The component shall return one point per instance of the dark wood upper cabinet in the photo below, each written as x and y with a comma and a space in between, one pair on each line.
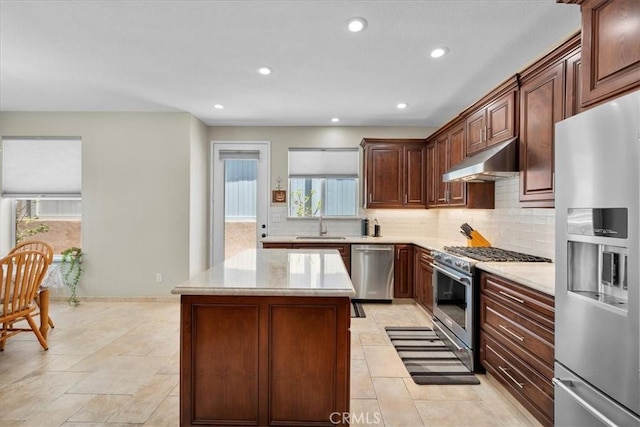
457, 190
395, 173
442, 164
541, 103
610, 49
492, 123
573, 94
444, 150
432, 182
544, 102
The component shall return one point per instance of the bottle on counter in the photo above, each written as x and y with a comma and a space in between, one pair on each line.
364, 226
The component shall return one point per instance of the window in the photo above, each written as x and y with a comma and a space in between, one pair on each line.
42, 178
57, 222
323, 182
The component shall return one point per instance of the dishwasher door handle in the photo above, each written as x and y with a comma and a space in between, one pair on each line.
373, 249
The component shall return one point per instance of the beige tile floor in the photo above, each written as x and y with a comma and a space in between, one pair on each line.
116, 364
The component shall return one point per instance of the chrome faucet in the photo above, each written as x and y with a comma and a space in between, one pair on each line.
323, 230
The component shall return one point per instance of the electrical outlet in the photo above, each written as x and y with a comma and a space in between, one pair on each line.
158, 277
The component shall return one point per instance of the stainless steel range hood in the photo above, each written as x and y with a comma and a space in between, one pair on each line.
499, 161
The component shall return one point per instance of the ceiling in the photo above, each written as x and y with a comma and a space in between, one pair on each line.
151, 55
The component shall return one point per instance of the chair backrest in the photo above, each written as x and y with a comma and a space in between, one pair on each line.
20, 276
34, 245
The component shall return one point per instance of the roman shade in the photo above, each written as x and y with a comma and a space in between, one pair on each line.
41, 167
323, 162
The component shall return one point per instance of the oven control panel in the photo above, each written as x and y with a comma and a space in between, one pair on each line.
452, 261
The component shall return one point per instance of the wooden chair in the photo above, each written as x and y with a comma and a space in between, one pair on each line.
36, 245
20, 276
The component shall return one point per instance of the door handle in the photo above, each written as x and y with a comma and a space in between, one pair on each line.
446, 273
264, 234
586, 405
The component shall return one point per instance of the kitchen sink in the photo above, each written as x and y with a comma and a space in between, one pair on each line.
320, 237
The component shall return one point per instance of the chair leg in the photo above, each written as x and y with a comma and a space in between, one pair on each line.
50, 320
36, 331
3, 335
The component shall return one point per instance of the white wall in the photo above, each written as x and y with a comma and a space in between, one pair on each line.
199, 198
284, 137
136, 195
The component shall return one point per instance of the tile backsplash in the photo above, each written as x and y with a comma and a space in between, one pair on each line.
529, 230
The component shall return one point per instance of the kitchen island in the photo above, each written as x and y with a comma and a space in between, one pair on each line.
265, 340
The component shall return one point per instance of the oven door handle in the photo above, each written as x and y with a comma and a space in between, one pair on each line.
447, 273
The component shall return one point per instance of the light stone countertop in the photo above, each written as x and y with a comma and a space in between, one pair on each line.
274, 272
536, 275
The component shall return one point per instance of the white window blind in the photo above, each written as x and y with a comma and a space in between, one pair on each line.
41, 167
342, 162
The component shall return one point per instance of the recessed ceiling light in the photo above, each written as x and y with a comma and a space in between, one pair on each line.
218, 106
438, 52
265, 71
355, 25
335, 120
402, 105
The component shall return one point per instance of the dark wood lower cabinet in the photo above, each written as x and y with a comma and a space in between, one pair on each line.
517, 342
403, 272
266, 361
423, 281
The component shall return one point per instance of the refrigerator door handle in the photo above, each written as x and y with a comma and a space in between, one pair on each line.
593, 411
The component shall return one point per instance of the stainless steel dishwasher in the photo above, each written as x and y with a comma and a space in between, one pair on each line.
372, 272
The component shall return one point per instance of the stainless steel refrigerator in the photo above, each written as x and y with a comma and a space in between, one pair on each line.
597, 292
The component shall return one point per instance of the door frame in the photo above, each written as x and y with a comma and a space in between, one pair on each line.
217, 191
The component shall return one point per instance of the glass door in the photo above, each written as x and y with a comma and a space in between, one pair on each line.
240, 197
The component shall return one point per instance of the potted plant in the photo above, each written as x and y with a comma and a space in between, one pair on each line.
71, 268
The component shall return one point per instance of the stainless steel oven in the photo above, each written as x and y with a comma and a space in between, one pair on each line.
453, 304
455, 297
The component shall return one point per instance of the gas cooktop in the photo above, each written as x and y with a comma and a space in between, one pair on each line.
493, 254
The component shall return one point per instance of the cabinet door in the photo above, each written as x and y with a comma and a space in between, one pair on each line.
456, 155
384, 176
415, 176
541, 106
403, 272
475, 127
428, 287
573, 94
442, 164
432, 169
500, 119
610, 49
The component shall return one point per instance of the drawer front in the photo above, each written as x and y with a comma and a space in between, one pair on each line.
424, 256
517, 329
267, 245
529, 387
536, 305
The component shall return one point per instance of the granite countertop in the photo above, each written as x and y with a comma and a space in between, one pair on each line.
274, 272
536, 275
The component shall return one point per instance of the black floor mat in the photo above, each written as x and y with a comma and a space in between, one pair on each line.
427, 358
357, 310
